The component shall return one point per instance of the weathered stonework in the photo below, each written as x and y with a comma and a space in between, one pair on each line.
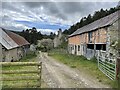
100, 38
113, 40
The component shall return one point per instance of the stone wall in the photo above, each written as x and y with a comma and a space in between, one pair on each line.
112, 40
9, 55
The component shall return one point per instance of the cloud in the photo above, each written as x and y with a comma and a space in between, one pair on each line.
66, 10
46, 31
11, 25
47, 16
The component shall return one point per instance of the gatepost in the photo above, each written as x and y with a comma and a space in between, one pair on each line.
118, 72
118, 47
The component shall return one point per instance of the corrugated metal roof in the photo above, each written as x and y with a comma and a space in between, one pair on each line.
17, 38
6, 41
11, 40
105, 21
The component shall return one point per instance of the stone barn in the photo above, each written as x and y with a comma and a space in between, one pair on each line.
99, 38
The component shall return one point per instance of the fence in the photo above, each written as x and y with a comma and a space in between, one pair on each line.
21, 74
108, 66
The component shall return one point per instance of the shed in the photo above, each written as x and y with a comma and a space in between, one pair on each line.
13, 46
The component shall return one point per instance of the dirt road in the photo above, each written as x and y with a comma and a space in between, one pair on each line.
59, 75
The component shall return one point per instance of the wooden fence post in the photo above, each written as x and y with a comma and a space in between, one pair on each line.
118, 68
40, 71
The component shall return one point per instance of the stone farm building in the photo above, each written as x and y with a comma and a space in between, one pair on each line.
99, 38
14, 47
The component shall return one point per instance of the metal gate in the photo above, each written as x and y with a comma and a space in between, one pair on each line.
107, 65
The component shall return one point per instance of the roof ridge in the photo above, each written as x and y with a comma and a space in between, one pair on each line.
101, 19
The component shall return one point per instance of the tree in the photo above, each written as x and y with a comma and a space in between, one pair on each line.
46, 44
66, 32
87, 20
52, 35
31, 35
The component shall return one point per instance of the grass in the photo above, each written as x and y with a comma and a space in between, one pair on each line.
29, 57
81, 63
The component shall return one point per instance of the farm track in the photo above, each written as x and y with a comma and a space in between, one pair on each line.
58, 75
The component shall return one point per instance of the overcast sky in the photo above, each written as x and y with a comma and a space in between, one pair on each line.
47, 16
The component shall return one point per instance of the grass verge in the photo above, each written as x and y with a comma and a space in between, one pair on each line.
81, 63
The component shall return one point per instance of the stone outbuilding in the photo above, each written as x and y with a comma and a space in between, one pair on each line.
13, 46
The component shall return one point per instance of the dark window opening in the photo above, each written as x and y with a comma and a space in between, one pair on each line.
101, 47
90, 37
98, 46
78, 47
90, 46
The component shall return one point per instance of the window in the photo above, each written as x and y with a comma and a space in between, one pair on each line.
98, 46
90, 46
101, 47
90, 37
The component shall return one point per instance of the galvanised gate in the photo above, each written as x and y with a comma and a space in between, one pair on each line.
108, 67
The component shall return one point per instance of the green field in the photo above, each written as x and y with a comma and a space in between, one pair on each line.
81, 63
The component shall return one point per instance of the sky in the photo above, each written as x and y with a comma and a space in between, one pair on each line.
47, 16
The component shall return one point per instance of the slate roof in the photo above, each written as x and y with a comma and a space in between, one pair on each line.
105, 21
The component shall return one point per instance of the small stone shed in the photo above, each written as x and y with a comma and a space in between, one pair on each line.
13, 46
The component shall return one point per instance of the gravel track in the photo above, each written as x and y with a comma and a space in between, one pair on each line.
58, 75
